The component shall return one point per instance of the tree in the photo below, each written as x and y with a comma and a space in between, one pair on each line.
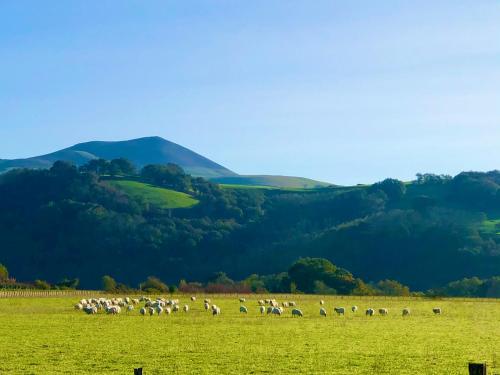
394, 189
41, 284
392, 288
4, 273
154, 285
108, 283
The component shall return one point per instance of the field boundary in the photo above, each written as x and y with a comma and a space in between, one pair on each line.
26, 293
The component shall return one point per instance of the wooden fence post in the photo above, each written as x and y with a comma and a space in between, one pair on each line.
477, 368
138, 371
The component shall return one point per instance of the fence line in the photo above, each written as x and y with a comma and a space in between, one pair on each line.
24, 293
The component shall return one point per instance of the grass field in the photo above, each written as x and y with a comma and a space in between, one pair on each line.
160, 197
47, 336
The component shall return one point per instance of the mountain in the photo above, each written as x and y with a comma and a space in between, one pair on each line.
141, 151
156, 150
274, 181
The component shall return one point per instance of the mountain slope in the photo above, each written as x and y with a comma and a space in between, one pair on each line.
141, 151
275, 181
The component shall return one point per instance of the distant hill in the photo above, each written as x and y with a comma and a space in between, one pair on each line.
156, 150
141, 151
267, 180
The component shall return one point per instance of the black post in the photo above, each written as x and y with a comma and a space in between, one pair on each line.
477, 368
138, 371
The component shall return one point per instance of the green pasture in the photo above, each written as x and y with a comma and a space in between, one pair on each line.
47, 336
164, 198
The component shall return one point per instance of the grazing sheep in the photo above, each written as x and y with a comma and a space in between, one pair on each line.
142, 311
193, 298
175, 308
206, 305
261, 302
277, 311
151, 311
370, 312
339, 310
274, 303
159, 309
284, 304
292, 303
321, 302
269, 309
216, 311
185, 308
354, 309
243, 309
168, 310
78, 306
383, 311
130, 308
207, 300
135, 301
262, 309
322, 311
437, 310
242, 300
406, 311
297, 312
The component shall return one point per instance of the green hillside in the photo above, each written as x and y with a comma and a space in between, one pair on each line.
274, 181
164, 198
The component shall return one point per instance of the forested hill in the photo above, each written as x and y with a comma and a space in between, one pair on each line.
107, 218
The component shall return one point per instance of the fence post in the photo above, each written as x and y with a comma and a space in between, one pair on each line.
138, 371
477, 368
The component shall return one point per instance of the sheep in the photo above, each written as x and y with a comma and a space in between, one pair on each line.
216, 311
127, 300
135, 301
354, 309
274, 303
78, 306
292, 303
207, 306
437, 310
406, 311
322, 311
193, 298
242, 299
383, 311
370, 312
175, 308
130, 308
339, 310
159, 309
207, 300
168, 310
243, 309
185, 308
261, 302
297, 312
262, 309
284, 304
151, 311
269, 309
277, 311
142, 311
321, 302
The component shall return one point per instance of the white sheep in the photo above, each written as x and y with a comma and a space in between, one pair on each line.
243, 309
206, 305
321, 302
262, 309
151, 311
297, 312
142, 311
168, 310
354, 309
242, 299
78, 306
406, 311
322, 311
193, 298
159, 309
292, 303
277, 310
261, 302
185, 308
436, 310
216, 311
270, 309
130, 308
175, 308
370, 312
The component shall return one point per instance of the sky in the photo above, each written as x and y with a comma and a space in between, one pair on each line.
340, 91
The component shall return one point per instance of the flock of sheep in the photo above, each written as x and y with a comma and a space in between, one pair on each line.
160, 306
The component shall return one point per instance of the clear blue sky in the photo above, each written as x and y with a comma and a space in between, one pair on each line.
342, 91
